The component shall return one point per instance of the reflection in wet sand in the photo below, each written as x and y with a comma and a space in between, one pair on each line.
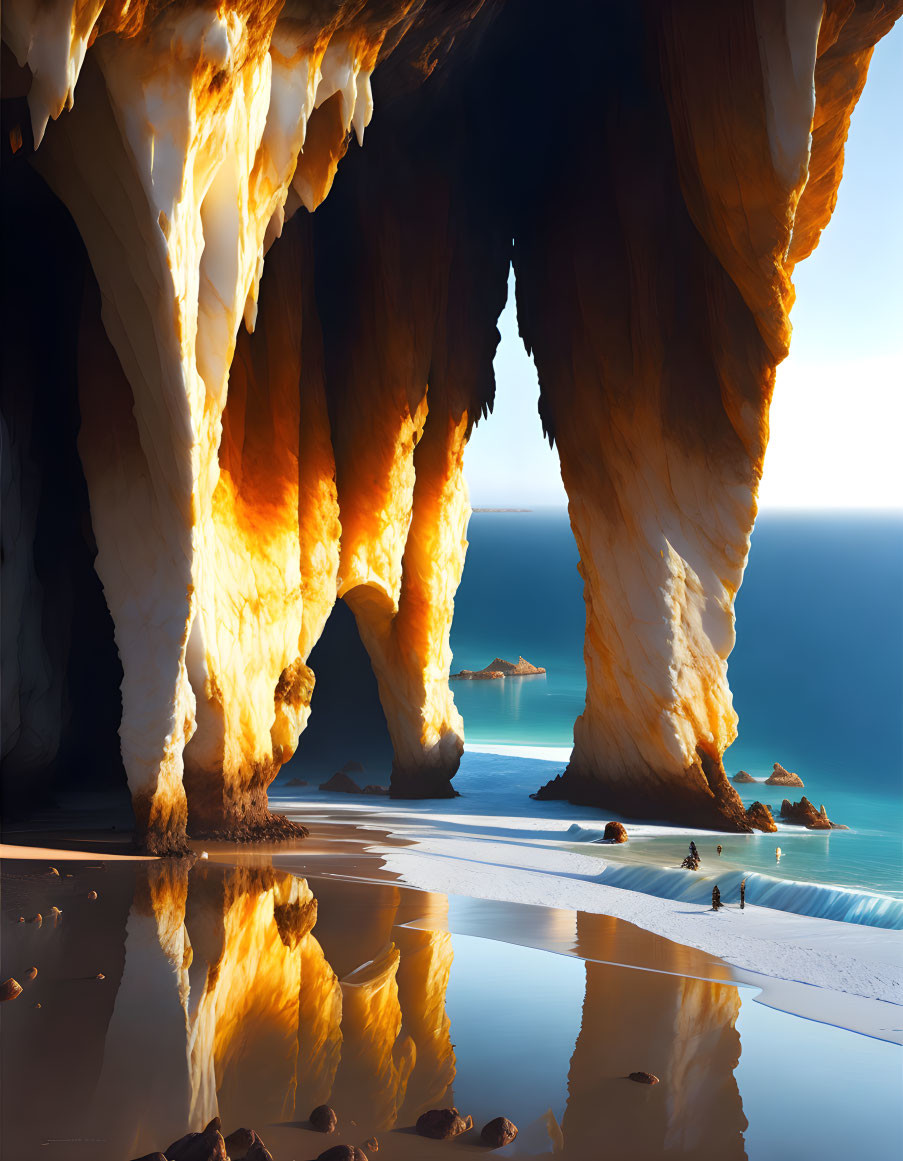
681, 1029
247, 994
229, 1004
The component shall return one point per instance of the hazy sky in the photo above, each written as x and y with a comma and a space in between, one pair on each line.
837, 416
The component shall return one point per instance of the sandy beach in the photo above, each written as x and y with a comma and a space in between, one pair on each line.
262, 981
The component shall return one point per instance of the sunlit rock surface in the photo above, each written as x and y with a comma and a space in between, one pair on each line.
274, 402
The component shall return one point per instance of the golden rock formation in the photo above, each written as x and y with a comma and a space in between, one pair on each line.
275, 402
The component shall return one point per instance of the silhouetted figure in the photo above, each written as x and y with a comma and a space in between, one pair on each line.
719, 848
694, 852
742, 894
716, 899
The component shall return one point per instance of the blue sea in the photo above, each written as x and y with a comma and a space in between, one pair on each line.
817, 674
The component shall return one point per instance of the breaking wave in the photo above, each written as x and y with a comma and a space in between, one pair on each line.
815, 899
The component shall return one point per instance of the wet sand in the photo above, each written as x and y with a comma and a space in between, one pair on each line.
261, 982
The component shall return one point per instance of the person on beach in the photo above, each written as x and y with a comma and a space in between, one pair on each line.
742, 894
719, 848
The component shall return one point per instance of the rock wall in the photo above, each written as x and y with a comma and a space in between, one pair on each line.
274, 402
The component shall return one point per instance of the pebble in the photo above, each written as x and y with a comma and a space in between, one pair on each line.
343, 1153
643, 1077
10, 989
32, 973
498, 1133
21, 919
323, 1119
443, 1124
53, 871
100, 976
372, 1145
38, 919
92, 894
37, 1005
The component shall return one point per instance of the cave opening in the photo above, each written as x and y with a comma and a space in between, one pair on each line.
347, 722
521, 592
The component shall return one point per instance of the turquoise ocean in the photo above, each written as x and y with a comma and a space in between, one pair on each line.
816, 674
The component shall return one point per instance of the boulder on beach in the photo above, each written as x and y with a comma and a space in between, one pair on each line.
343, 1153
781, 777
499, 668
443, 1124
246, 1145
341, 783
498, 1133
759, 816
643, 1077
207, 1145
615, 832
742, 777
10, 989
323, 1119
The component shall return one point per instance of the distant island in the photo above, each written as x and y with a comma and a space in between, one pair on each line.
499, 668
501, 509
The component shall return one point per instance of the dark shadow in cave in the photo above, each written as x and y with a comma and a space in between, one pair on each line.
347, 723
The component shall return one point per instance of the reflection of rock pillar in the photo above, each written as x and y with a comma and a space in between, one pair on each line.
243, 1018
426, 961
653, 287
681, 1029
377, 1059
146, 1046
320, 1028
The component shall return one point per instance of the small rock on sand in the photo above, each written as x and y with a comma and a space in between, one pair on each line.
643, 1077
615, 832
100, 976
343, 1153
10, 989
53, 871
323, 1119
32, 973
371, 1145
443, 1124
92, 894
498, 1133
38, 920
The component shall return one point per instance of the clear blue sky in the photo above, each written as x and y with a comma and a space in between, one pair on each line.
837, 418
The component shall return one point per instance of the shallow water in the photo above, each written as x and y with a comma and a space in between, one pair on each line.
256, 994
